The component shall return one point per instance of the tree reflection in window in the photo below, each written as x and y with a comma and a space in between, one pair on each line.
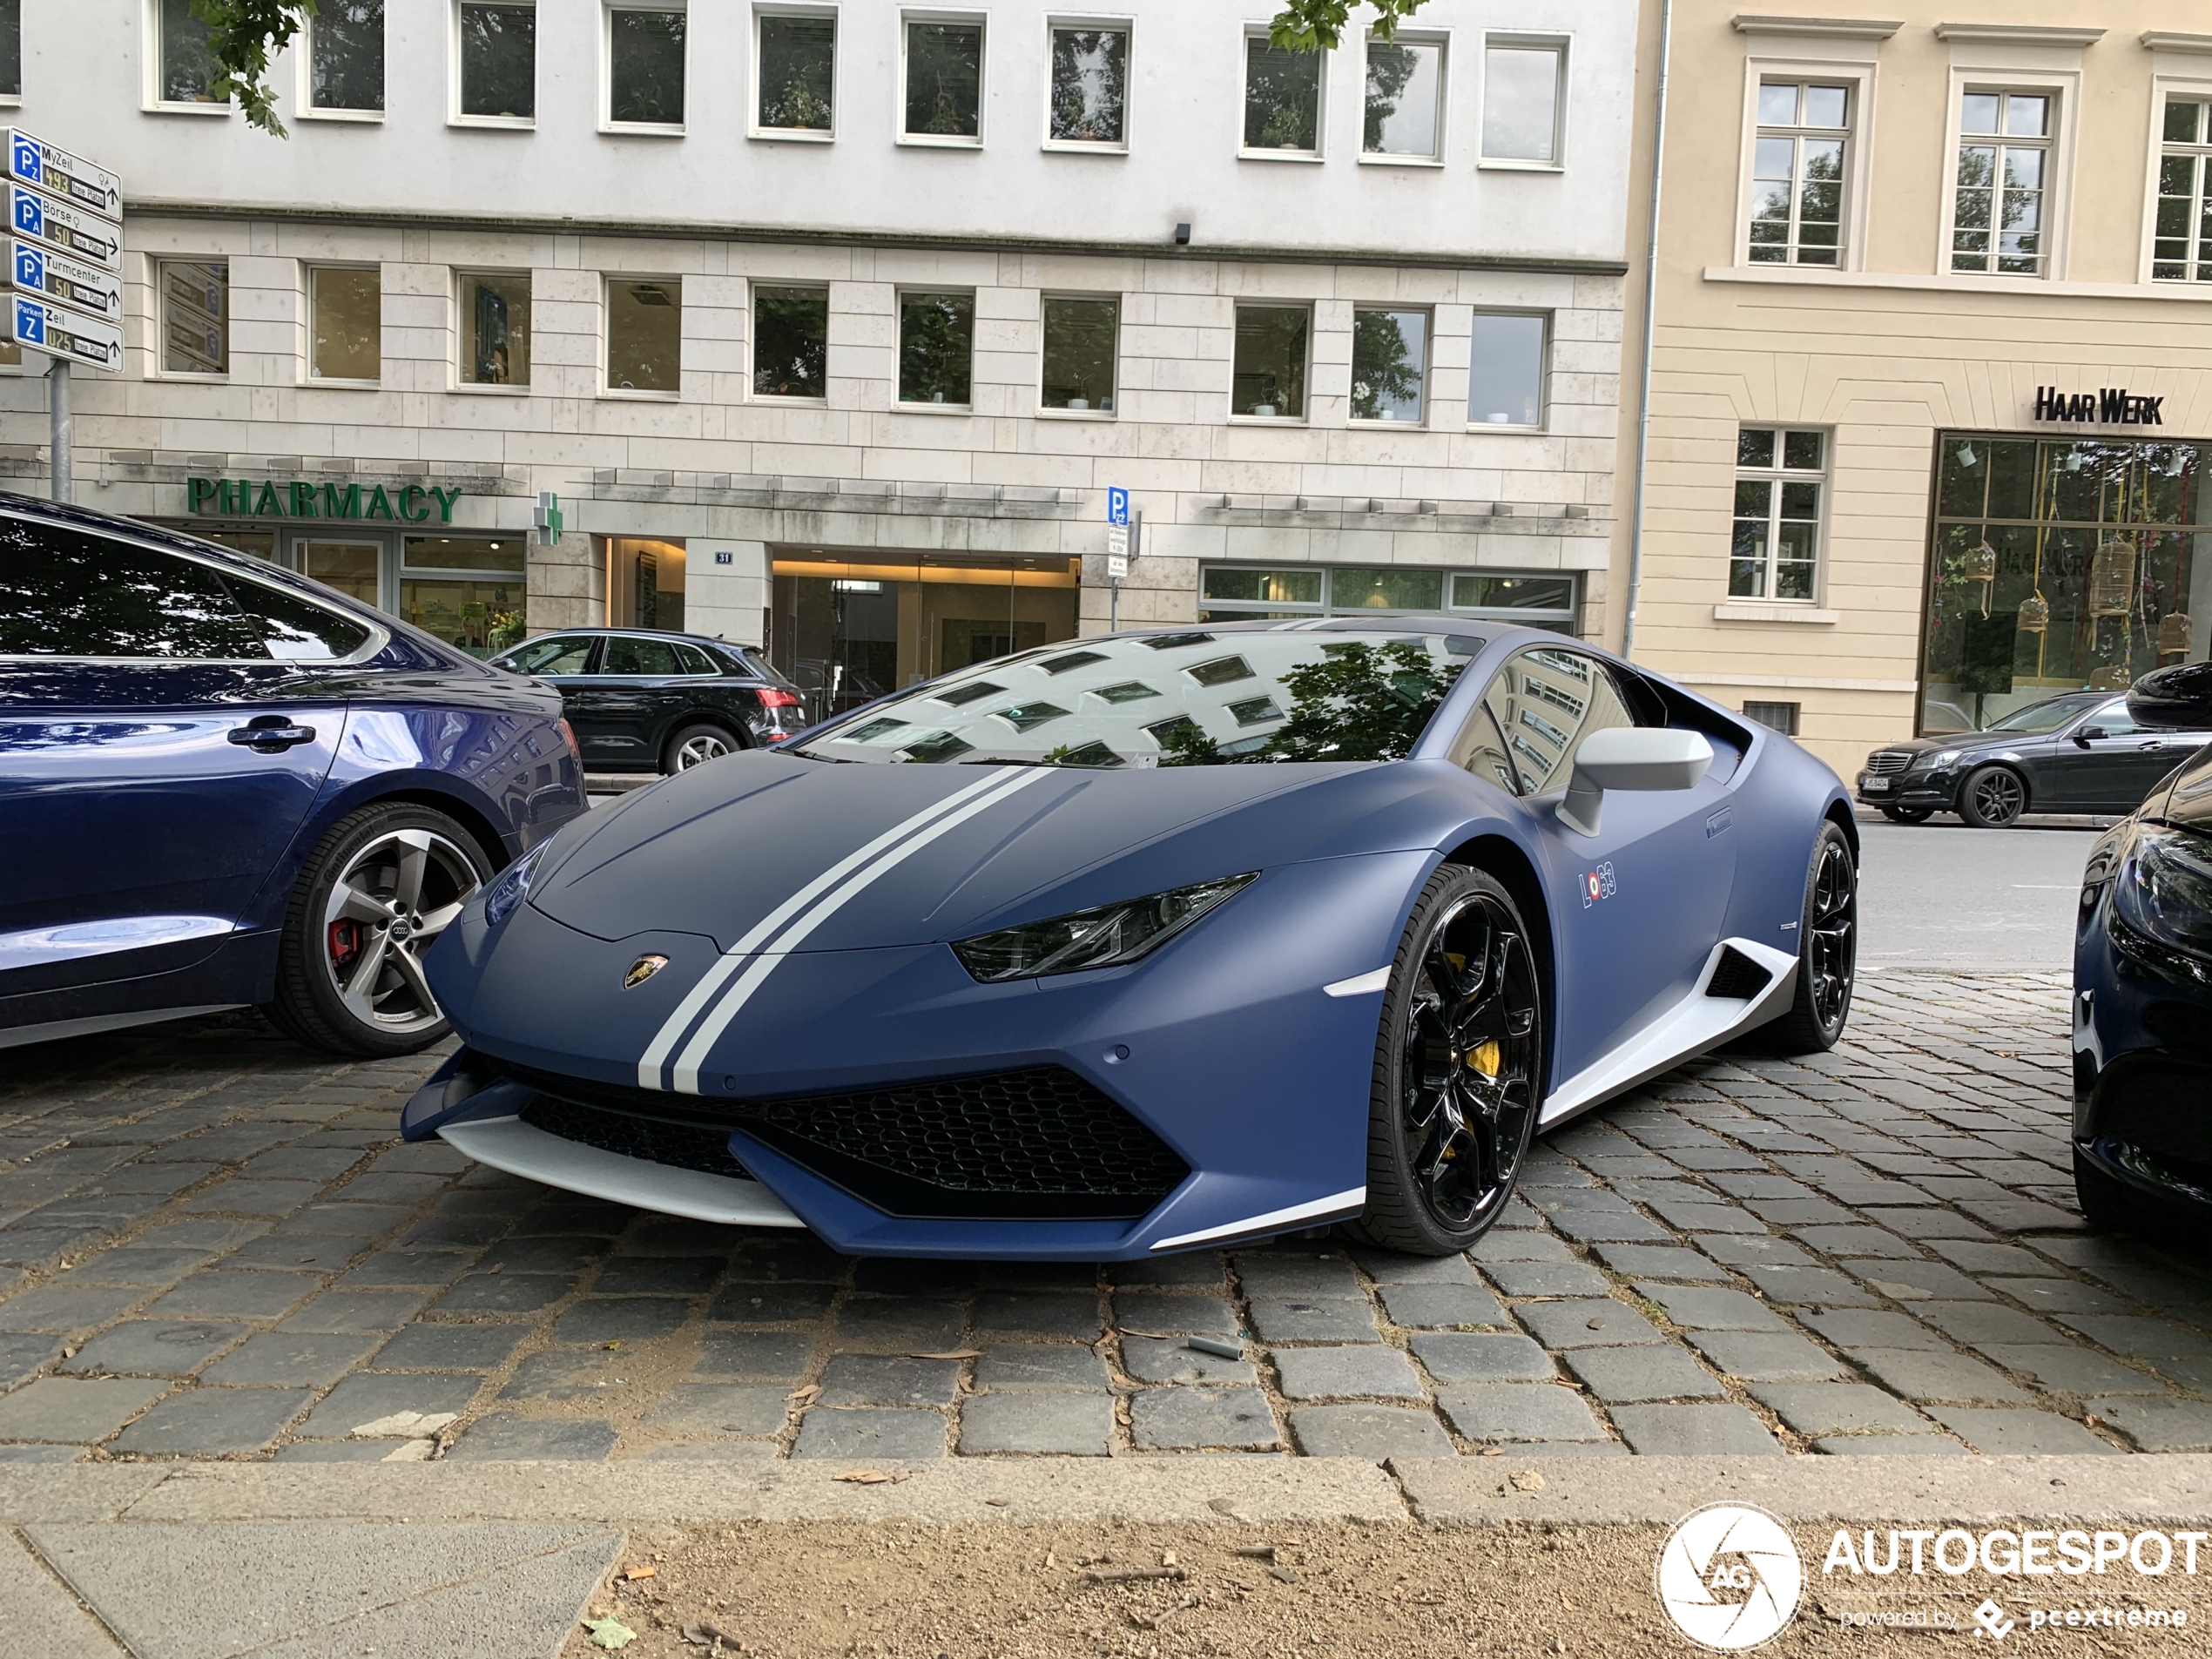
1359, 702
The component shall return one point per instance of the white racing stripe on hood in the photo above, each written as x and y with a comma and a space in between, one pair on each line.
710, 1028
711, 982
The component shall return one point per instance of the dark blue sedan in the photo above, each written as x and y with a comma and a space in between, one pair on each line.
223, 785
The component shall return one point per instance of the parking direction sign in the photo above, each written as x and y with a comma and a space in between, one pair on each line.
64, 332
1118, 506
84, 184
32, 213
66, 282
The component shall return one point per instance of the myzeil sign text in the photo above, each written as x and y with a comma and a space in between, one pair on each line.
296, 498
2106, 406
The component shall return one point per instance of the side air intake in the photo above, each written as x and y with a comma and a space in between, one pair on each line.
1737, 977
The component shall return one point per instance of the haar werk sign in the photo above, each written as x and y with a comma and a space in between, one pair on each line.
2107, 406
247, 498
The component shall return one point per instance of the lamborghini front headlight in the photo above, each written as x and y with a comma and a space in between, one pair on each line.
1106, 937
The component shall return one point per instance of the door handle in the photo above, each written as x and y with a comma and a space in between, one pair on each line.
2154, 744
270, 734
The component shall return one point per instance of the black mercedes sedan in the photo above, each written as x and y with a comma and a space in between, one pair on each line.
2082, 752
641, 700
2143, 994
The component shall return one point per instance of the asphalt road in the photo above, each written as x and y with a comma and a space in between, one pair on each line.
1942, 895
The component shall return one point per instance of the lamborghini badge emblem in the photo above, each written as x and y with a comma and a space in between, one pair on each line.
641, 970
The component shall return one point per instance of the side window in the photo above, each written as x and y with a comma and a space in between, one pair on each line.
690, 659
2114, 720
292, 629
556, 656
639, 657
1544, 703
66, 594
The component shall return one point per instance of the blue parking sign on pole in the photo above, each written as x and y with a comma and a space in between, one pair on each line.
1117, 506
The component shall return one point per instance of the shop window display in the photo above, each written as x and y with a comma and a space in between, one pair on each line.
2059, 565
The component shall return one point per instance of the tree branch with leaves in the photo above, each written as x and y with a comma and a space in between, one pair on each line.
1312, 26
243, 35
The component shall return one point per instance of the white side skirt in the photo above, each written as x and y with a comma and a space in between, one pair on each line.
1692, 1026
519, 1149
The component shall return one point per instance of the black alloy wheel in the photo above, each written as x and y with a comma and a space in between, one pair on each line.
1827, 950
1908, 814
1458, 1068
1993, 796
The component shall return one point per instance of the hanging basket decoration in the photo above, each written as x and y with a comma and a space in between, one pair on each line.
2112, 677
2035, 614
2111, 579
2174, 634
1980, 564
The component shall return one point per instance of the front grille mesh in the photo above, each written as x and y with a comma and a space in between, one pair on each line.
683, 1146
1040, 1142
1883, 762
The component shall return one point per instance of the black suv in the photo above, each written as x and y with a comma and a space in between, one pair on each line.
644, 701
2081, 752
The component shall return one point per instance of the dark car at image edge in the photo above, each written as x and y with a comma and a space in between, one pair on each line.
2080, 752
225, 785
643, 699
2143, 994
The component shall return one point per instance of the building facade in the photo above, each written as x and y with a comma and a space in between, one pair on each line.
1931, 416
833, 324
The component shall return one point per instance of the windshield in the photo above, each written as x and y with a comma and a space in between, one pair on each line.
2042, 716
1169, 699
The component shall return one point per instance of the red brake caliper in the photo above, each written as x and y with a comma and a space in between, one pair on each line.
344, 942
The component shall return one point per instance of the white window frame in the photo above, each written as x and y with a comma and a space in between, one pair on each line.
1428, 366
754, 285
1121, 311
154, 370
309, 269
150, 100
1267, 302
1296, 157
2197, 89
1440, 38
14, 100
633, 393
1778, 475
303, 100
2064, 87
794, 135
1858, 76
1564, 45
458, 274
1127, 25
943, 140
639, 128
1543, 398
489, 123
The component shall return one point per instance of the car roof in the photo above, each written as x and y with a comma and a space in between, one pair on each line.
639, 633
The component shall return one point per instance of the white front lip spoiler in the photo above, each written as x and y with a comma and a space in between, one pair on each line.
521, 1148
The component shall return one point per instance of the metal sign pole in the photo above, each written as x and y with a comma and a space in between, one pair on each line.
65, 462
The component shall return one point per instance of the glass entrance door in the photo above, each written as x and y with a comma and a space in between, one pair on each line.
354, 568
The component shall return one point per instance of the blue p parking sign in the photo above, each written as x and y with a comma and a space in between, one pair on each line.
1117, 506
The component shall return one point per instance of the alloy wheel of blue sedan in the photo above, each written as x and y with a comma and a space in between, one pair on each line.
390, 903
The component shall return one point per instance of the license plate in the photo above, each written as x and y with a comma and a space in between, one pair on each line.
1877, 786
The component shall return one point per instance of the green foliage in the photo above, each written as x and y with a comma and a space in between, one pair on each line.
1360, 702
244, 35
1309, 25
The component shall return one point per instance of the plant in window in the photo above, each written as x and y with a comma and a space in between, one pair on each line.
944, 79
1282, 99
798, 61
1386, 367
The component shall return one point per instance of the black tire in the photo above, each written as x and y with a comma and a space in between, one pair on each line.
1993, 796
2107, 1204
390, 860
1447, 1137
694, 745
1908, 814
1827, 951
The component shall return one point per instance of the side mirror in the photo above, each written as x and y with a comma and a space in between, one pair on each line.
2180, 696
2082, 738
1630, 756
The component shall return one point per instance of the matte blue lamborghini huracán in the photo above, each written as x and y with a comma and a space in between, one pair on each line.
1151, 942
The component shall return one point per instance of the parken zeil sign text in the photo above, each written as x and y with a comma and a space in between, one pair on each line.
296, 498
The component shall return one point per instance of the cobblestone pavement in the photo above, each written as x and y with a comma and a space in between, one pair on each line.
218, 1248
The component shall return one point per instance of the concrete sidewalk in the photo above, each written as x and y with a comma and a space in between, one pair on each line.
488, 1561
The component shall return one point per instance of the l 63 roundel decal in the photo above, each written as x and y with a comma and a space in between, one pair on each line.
1597, 884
